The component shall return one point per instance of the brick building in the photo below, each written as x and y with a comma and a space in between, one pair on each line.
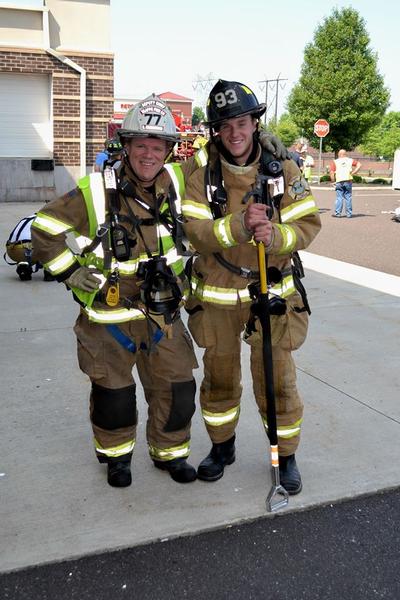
56, 94
180, 106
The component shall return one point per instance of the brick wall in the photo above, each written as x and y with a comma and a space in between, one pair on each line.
66, 98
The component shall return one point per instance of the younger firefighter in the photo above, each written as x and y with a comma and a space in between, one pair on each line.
129, 279
223, 223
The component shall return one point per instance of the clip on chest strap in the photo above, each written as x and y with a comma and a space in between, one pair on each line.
126, 341
241, 271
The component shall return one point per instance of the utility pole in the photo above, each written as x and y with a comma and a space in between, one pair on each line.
273, 83
204, 84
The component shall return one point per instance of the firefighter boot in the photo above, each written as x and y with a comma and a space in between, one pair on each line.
119, 473
24, 271
289, 475
178, 468
212, 467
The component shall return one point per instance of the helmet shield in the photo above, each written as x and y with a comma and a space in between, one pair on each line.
230, 99
150, 118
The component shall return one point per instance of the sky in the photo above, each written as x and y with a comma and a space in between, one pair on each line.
178, 46
161, 46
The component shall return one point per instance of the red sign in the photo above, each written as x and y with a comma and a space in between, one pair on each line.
321, 128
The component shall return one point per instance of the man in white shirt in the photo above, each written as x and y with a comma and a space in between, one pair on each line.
342, 171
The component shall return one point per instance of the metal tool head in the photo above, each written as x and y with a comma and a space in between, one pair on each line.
277, 498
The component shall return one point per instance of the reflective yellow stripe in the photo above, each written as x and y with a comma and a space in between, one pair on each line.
50, 224
92, 188
61, 263
201, 157
197, 210
299, 209
222, 231
230, 296
113, 316
175, 172
286, 431
170, 453
115, 450
221, 418
285, 288
289, 238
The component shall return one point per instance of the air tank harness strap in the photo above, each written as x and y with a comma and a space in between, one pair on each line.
129, 344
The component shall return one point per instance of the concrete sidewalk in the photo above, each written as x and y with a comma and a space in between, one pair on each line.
55, 502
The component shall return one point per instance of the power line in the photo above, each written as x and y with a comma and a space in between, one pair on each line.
202, 86
275, 86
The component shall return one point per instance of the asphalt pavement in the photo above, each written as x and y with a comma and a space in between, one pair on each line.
342, 551
66, 534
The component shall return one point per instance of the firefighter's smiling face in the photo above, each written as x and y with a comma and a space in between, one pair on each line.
147, 156
236, 134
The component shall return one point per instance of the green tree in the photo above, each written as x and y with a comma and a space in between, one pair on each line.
197, 116
286, 129
339, 82
384, 139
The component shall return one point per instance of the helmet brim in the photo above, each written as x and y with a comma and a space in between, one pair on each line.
127, 133
256, 112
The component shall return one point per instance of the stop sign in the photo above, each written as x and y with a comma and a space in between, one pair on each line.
321, 128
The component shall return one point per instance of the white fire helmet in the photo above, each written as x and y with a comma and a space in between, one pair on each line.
150, 118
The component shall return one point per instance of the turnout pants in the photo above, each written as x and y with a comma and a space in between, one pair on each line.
219, 330
167, 379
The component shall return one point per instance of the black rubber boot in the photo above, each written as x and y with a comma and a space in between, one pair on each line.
289, 475
47, 276
178, 468
24, 271
212, 467
119, 474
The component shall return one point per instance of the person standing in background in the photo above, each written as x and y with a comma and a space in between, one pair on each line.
307, 166
342, 170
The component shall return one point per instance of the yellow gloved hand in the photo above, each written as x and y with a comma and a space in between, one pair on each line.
84, 279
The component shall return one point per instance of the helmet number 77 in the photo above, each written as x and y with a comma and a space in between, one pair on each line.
150, 116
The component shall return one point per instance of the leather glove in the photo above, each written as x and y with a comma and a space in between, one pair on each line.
84, 279
273, 144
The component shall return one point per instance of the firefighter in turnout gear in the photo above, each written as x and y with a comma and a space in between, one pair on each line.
114, 241
223, 223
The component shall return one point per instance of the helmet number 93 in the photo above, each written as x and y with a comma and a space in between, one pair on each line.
224, 98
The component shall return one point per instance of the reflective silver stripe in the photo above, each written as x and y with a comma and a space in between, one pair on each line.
82, 241
113, 316
196, 210
230, 296
116, 450
170, 453
299, 209
98, 196
175, 182
218, 419
287, 431
51, 225
162, 231
172, 256
201, 157
61, 263
289, 238
222, 231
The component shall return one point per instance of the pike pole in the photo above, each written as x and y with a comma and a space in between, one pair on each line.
262, 310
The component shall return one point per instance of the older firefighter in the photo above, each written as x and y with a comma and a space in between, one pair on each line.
129, 279
223, 224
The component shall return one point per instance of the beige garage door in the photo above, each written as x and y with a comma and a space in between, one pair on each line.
25, 126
